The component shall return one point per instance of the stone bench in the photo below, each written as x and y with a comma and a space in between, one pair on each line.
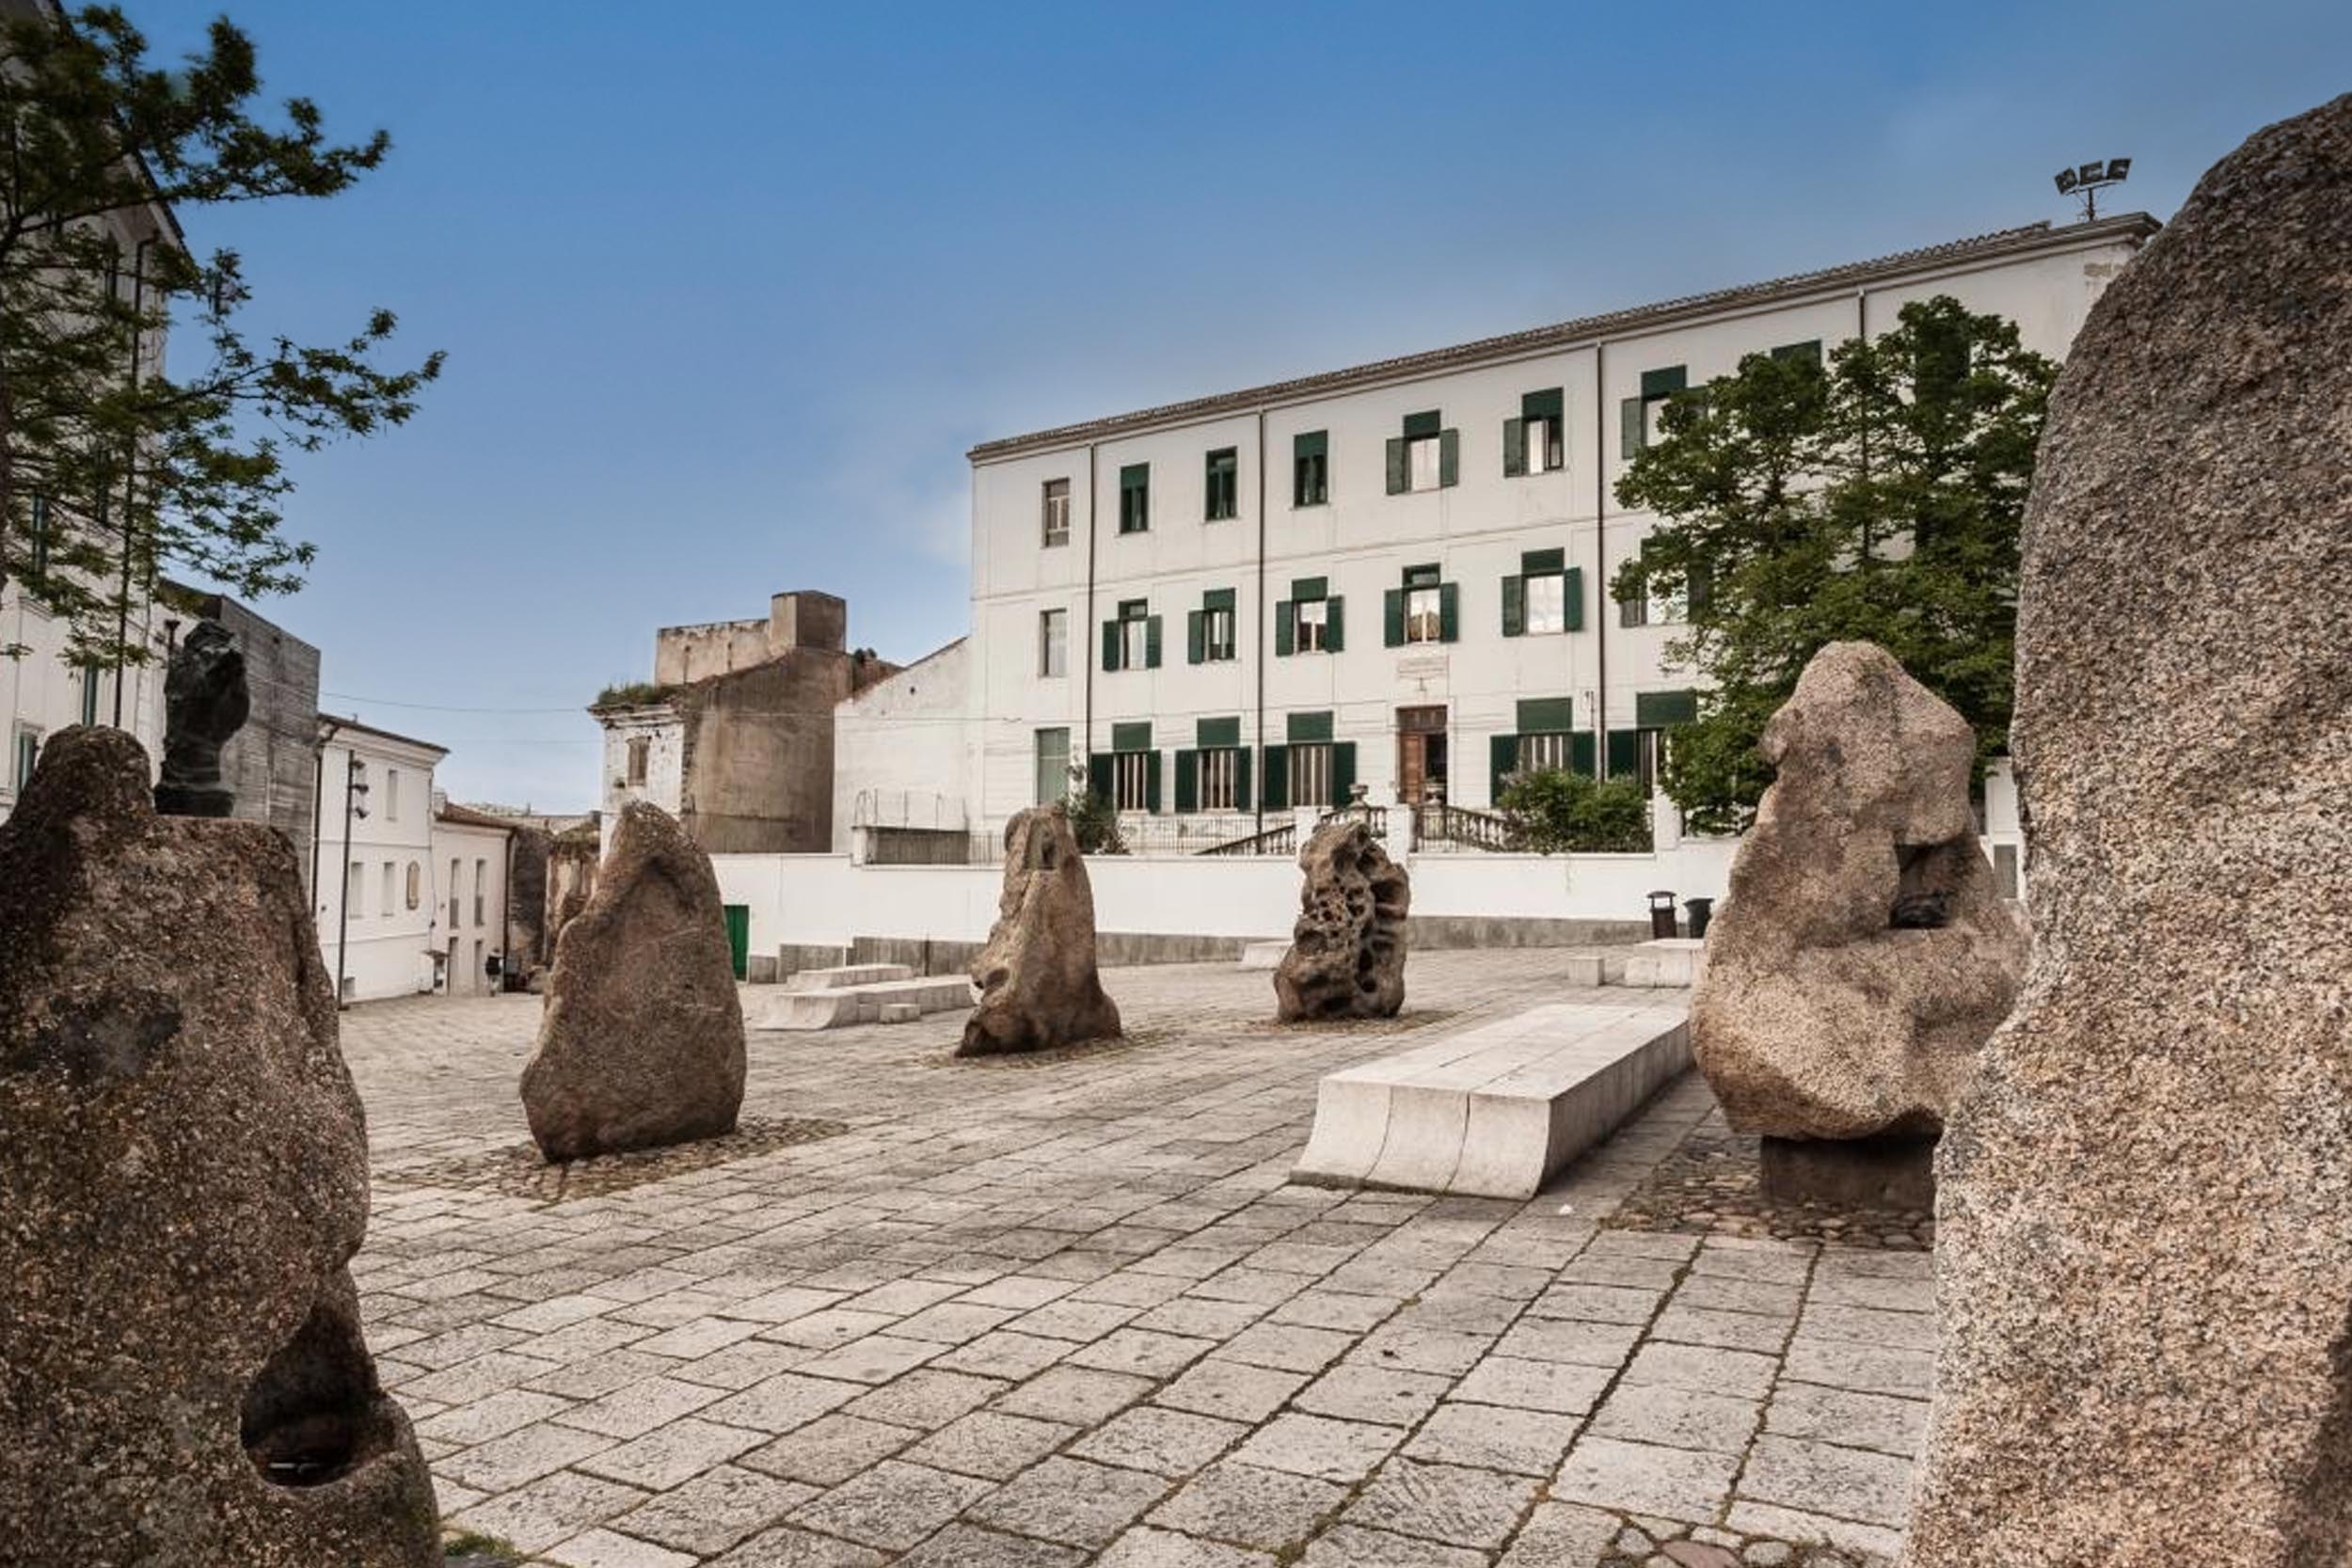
842, 975
1665, 961
1494, 1109
840, 1006
1264, 954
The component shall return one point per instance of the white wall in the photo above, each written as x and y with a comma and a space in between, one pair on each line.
386, 948
901, 748
469, 867
664, 734
40, 693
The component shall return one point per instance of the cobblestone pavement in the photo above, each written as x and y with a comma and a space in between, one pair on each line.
1022, 1313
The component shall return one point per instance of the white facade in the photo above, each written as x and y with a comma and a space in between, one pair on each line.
1437, 706
374, 889
469, 869
40, 693
903, 749
645, 760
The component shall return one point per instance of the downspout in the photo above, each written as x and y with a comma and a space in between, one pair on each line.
1257, 796
507, 912
1600, 562
1090, 638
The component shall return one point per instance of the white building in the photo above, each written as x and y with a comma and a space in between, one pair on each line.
472, 869
901, 748
1395, 575
372, 859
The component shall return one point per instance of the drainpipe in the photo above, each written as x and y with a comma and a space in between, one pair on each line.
1257, 800
506, 911
1089, 634
1600, 562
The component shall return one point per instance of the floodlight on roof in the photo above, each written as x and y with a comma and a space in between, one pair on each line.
2087, 180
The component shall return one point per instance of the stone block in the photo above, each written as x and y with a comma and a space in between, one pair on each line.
900, 1012
1263, 954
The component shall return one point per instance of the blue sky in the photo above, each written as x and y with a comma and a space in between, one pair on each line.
728, 288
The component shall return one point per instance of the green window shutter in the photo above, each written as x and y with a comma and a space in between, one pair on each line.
1187, 781
1278, 778
1448, 613
1217, 598
1513, 606
1152, 781
1665, 382
1132, 738
1396, 465
1809, 351
1217, 735
1514, 447
1240, 778
1151, 643
1624, 753
1334, 624
1306, 728
1342, 772
1547, 715
1419, 425
1196, 636
1285, 629
1660, 710
1700, 587
1449, 458
1572, 598
1393, 618
1581, 752
1542, 406
1629, 435
1537, 562
1310, 588
1099, 776
1503, 760
1110, 645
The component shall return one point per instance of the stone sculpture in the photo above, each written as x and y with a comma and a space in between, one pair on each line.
205, 701
641, 1043
1347, 950
184, 1180
1862, 956
1039, 984
2144, 1243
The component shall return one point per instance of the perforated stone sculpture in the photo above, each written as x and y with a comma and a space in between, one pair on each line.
1347, 950
1862, 956
1038, 984
184, 1180
2144, 1242
642, 1044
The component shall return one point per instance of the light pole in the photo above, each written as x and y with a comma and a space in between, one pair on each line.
354, 785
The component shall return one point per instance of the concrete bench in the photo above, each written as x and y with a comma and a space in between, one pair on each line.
1665, 961
840, 1006
1494, 1109
846, 974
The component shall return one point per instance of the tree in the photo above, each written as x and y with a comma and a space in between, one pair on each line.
1878, 497
1095, 822
111, 467
1557, 812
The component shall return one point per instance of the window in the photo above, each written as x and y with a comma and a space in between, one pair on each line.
1422, 611
1420, 605
28, 754
1219, 772
1052, 765
1542, 752
1547, 605
1053, 644
356, 881
1130, 781
1129, 774
1311, 774
1547, 738
1133, 641
1309, 621
415, 889
1664, 603
391, 794
1224, 486
1134, 498
38, 540
640, 750
1533, 443
1546, 596
1639, 424
1311, 470
1056, 520
1211, 633
481, 882
90, 693
1425, 457
1315, 626
1215, 775
391, 873
453, 894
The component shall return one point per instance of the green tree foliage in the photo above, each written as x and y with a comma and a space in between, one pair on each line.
1876, 498
1095, 822
1557, 812
113, 464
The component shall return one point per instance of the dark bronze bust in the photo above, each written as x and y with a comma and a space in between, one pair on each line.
205, 701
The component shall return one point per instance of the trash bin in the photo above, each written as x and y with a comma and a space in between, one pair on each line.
1661, 914
1701, 911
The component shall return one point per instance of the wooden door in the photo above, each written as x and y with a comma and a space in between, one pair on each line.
1420, 752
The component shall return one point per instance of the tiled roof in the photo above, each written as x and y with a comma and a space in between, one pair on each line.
2131, 227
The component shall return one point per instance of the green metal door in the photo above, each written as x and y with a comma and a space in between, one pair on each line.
740, 938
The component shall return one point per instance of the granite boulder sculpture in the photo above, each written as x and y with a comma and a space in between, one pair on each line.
641, 1043
1862, 956
1038, 984
2144, 1240
1347, 950
184, 1180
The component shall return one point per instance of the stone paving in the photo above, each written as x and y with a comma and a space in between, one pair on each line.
1024, 1314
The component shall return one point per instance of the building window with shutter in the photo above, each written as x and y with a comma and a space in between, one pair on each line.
1056, 520
1663, 604
1220, 770
1426, 457
1547, 604
1212, 634
1545, 596
1311, 774
1423, 609
1130, 781
1543, 753
1133, 641
1224, 486
1052, 765
1134, 498
1311, 469
1053, 644
1309, 622
1640, 425
37, 540
1315, 626
640, 750
1535, 443
453, 894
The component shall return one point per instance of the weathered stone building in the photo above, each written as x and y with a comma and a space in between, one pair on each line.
733, 734
272, 764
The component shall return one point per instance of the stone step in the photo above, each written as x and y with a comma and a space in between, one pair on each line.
1493, 1111
846, 974
1264, 954
1665, 961
843, 1005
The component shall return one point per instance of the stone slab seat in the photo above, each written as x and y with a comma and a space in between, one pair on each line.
1265, 953
842, 975
1665, 961
1494, 1109
840, 1006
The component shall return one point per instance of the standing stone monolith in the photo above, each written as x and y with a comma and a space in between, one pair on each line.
1862, 956
1038, 984
641, 1043
184, 1180
205, 701
1348, 949
2144, 1239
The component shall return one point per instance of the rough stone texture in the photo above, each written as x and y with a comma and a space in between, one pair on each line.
2146, 1222
1862, 956
1347, 951
184, 1177
205, 701
642, 1041
1038, 986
